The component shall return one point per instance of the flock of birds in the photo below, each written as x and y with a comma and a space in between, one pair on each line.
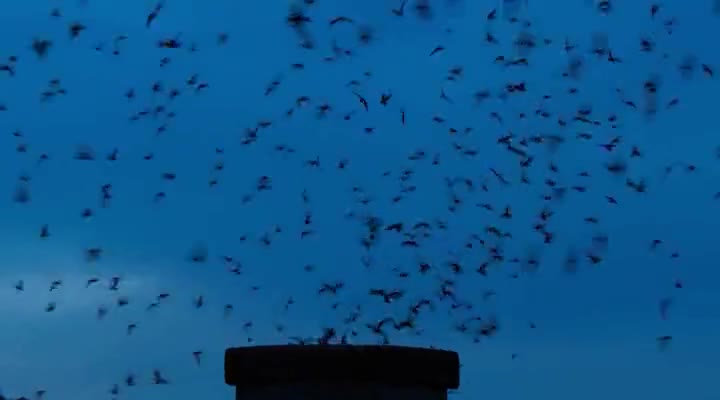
529, 149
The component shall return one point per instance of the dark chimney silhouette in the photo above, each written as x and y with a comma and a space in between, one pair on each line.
342, 372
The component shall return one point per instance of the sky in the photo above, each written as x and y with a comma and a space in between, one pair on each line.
596, 329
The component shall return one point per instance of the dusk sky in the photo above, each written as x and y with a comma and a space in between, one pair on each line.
596, 330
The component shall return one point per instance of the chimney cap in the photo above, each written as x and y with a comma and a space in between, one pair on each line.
391, 365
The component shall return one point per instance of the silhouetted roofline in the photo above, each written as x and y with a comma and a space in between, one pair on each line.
392, 365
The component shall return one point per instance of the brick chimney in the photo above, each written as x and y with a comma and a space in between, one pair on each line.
342, 372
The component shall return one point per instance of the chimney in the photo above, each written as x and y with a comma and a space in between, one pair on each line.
343, 372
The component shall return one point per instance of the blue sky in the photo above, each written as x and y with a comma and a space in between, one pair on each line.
596, 330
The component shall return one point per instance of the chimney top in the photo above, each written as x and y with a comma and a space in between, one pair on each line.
247, 367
